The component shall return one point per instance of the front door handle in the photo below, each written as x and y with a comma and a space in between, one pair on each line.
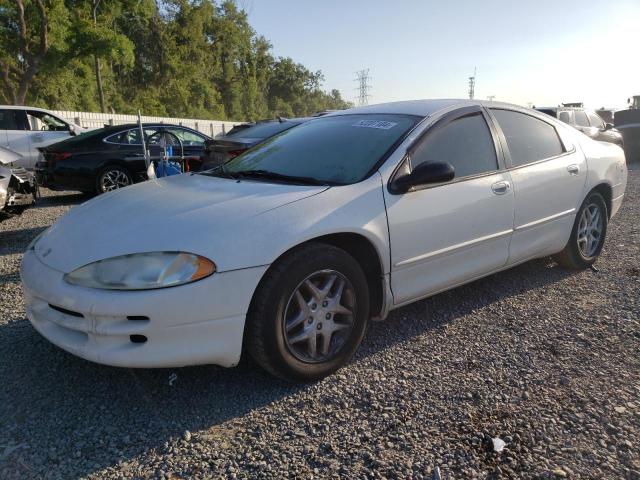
500, 188
573, 169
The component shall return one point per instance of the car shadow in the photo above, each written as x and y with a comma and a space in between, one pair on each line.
63, 199
14, 241
112, 414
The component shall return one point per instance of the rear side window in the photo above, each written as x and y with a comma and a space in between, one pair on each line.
466, 143
130, 137
529, 139
11, 119
595, 120
581, 118
565, 117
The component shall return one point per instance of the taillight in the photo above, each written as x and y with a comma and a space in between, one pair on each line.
57, 156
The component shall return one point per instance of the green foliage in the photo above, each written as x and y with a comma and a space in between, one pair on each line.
187, 58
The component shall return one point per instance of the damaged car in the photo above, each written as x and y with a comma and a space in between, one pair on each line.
18, 187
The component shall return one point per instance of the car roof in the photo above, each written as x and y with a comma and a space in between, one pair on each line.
420, 108
24, 107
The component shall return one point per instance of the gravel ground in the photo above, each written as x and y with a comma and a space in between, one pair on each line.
544, 359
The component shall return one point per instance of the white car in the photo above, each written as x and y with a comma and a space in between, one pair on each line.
25, 129
292, 247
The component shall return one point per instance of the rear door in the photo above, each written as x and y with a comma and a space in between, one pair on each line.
445, 234
548, 176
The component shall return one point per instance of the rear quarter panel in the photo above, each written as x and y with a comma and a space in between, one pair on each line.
606, 164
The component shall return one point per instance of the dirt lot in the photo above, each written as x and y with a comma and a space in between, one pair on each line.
545, 359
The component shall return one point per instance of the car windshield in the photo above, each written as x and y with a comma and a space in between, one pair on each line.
335, 150
262, 130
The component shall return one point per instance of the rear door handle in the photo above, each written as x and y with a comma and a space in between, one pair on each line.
573, 169
500, 188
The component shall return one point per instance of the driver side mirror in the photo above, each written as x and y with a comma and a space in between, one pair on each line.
608, 126
424, 174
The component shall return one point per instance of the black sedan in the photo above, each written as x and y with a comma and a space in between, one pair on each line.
242, 137
112, 157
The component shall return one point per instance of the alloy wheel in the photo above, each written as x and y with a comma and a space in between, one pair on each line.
113, 179
319, 316
590, 230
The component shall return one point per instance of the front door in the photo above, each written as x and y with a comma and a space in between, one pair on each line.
447, 234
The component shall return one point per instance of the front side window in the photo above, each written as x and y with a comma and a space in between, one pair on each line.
187, 137
595, 120
581, 118
529, 139
565, 117
466, 143
46, 122
333, 150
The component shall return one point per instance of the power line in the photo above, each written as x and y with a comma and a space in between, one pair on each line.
362, 77
472, 84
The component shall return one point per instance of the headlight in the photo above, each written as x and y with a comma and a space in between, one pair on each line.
142, 271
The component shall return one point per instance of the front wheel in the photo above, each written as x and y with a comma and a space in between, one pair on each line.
309, 313
588, 234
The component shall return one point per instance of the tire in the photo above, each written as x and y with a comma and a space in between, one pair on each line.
288, 339
112, 177
580, 253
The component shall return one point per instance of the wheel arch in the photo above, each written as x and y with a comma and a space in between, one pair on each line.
363, 250
606, 191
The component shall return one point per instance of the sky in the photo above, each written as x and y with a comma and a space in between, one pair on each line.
538, 51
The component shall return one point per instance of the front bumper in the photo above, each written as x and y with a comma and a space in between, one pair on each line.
198, 323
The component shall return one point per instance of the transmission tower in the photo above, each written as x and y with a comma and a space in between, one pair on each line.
362, 77
472, 84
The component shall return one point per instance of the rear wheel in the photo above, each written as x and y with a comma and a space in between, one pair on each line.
111, 178
309, 313
588, 234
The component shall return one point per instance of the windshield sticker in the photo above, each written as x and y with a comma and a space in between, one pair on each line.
379, 124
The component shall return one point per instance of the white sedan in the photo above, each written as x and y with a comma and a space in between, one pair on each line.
289, 249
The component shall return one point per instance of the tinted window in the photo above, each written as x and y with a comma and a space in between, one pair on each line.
595, 120
581, 118
528, 138
11, 120
565, 117
340, 149
262, 130
465, 143
130, 137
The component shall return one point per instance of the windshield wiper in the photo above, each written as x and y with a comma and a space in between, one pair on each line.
222, 168
267, 175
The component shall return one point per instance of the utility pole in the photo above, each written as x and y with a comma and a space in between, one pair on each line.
472, 84
491, 97
362, 77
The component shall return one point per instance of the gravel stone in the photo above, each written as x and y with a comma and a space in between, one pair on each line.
539, 356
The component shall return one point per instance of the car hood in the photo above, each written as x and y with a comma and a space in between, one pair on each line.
189, 212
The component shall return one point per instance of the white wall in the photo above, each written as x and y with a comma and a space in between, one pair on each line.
98, 120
